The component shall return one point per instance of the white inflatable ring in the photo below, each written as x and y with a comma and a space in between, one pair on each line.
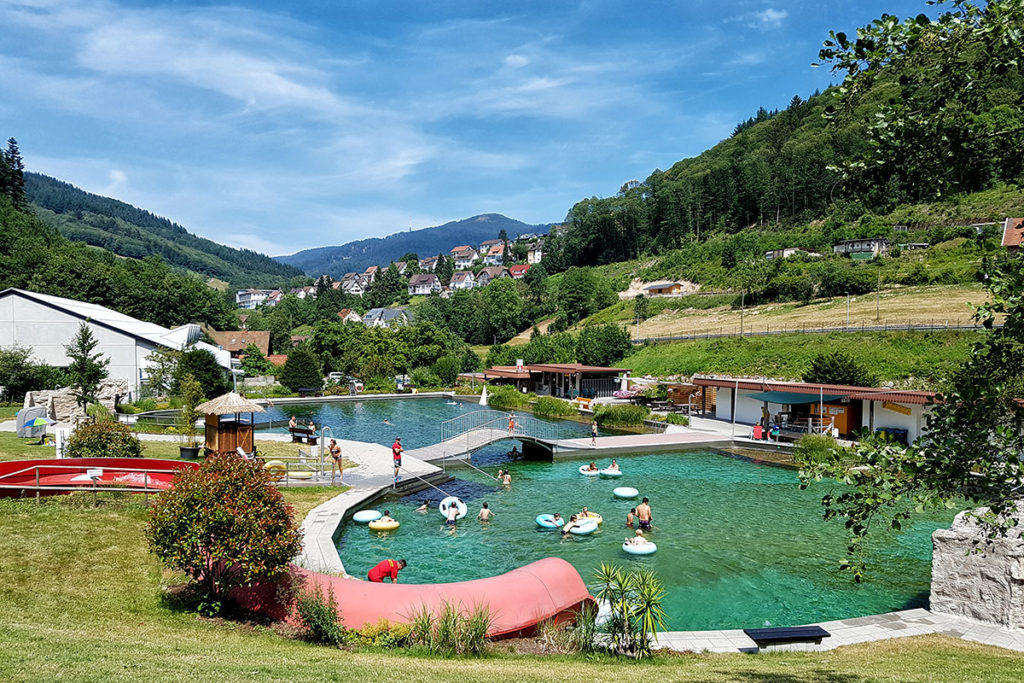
592, 516
645, 549
547, 521
366, 516
442, 507
378, 525
587, 472
625, 492
584, 529
609, 474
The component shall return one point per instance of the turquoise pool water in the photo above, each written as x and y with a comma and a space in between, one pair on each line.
739, 545
417, 421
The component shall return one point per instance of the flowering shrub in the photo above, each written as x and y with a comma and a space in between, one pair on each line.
103, 440
225, 525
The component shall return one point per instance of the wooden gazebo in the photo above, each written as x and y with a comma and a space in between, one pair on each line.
226, 425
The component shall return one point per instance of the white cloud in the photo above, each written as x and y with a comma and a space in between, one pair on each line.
516, 61
118, 183
762, 19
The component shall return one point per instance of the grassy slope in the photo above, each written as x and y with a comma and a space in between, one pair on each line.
81, 599
915, 359
694, 314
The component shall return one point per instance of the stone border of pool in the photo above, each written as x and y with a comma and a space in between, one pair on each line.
353, 397
320, 553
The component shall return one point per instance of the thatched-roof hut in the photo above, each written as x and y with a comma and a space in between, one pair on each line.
226, 425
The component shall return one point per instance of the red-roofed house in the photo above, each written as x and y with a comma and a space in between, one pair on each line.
1013, 234
464, 257
519, 272
371, 272
495, 255
347, 315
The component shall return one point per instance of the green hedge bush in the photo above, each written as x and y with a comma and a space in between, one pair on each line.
507, 398
103, 440
549, 406
621, 415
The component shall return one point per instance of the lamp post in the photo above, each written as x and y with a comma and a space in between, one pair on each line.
847, 309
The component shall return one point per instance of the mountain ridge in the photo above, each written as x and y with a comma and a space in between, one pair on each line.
358, 254
126, 230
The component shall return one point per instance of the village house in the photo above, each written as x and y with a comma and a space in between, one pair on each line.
387, 317
486, 245
251, 298
463, 279
865, 248
304, 292
464, 257
428, 264
489, 274
424, 283
518, 272
1013, 234
236, 341
371, 273
664, 289
401, 267
495, 256
786, 252
347, 315
535, 253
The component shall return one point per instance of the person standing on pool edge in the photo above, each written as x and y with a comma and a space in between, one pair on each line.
643, 513
593, 434
384, 569
396, 454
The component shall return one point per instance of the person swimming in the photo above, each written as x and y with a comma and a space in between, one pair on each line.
573, 523
631, 517
425, 507
453, 516
592, 467
485, 513
507, 479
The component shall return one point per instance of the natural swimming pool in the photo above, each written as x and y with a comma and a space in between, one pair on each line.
739, 545
417, 421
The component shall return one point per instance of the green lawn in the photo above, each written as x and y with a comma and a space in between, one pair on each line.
8, 412
916, 359
82, 600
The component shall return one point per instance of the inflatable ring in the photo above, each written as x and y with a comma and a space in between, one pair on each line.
443, 506
301, 474
378, 525
547, 521
645, 549
276, 468
594, 517
365, 516
584, 529
609, 474
625, 492
586, 472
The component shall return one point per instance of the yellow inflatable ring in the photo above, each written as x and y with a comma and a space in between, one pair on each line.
276, 468
594, 516
378, 525
300, 474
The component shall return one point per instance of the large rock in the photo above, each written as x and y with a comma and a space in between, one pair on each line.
61, 405
976, 579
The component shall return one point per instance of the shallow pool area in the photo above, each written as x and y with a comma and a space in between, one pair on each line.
739, 544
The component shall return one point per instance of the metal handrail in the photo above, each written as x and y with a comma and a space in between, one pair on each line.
403, 469
118, 469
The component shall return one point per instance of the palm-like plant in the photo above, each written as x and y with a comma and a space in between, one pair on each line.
634, 599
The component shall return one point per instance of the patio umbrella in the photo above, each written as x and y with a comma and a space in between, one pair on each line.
39, 422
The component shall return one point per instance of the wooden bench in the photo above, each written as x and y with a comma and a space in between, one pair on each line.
786, 635
303, 435
310, 391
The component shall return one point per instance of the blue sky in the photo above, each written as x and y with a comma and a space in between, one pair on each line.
282, 126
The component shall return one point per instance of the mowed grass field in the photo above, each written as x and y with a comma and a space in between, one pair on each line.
700, 315
909, 359
83, 600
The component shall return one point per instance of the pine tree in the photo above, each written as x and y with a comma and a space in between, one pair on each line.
445, 269
87, 369
15, 172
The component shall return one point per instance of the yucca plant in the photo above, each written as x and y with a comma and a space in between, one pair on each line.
634, 600
474, 630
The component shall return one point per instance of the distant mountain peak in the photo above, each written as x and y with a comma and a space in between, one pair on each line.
379, 251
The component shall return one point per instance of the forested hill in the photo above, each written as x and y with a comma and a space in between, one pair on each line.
356, 256
135, 233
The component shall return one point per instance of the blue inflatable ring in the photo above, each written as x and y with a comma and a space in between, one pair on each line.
367, 516
645, 549
547, 521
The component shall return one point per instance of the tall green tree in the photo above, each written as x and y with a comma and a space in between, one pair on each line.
301, 370
445, 269
945, 124
254, 363
14, 176
204, 368
88, 367
387, 288
971, 452
502, 309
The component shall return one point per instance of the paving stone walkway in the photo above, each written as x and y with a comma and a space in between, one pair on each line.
914, 622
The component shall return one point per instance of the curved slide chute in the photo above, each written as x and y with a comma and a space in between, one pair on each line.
546, 589
73, 473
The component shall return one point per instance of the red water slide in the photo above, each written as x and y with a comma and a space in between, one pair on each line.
546, 589
19, 478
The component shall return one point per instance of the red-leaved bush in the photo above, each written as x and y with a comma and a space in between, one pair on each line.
224, 524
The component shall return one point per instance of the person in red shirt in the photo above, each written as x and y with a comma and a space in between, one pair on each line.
396, 454
384, 569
